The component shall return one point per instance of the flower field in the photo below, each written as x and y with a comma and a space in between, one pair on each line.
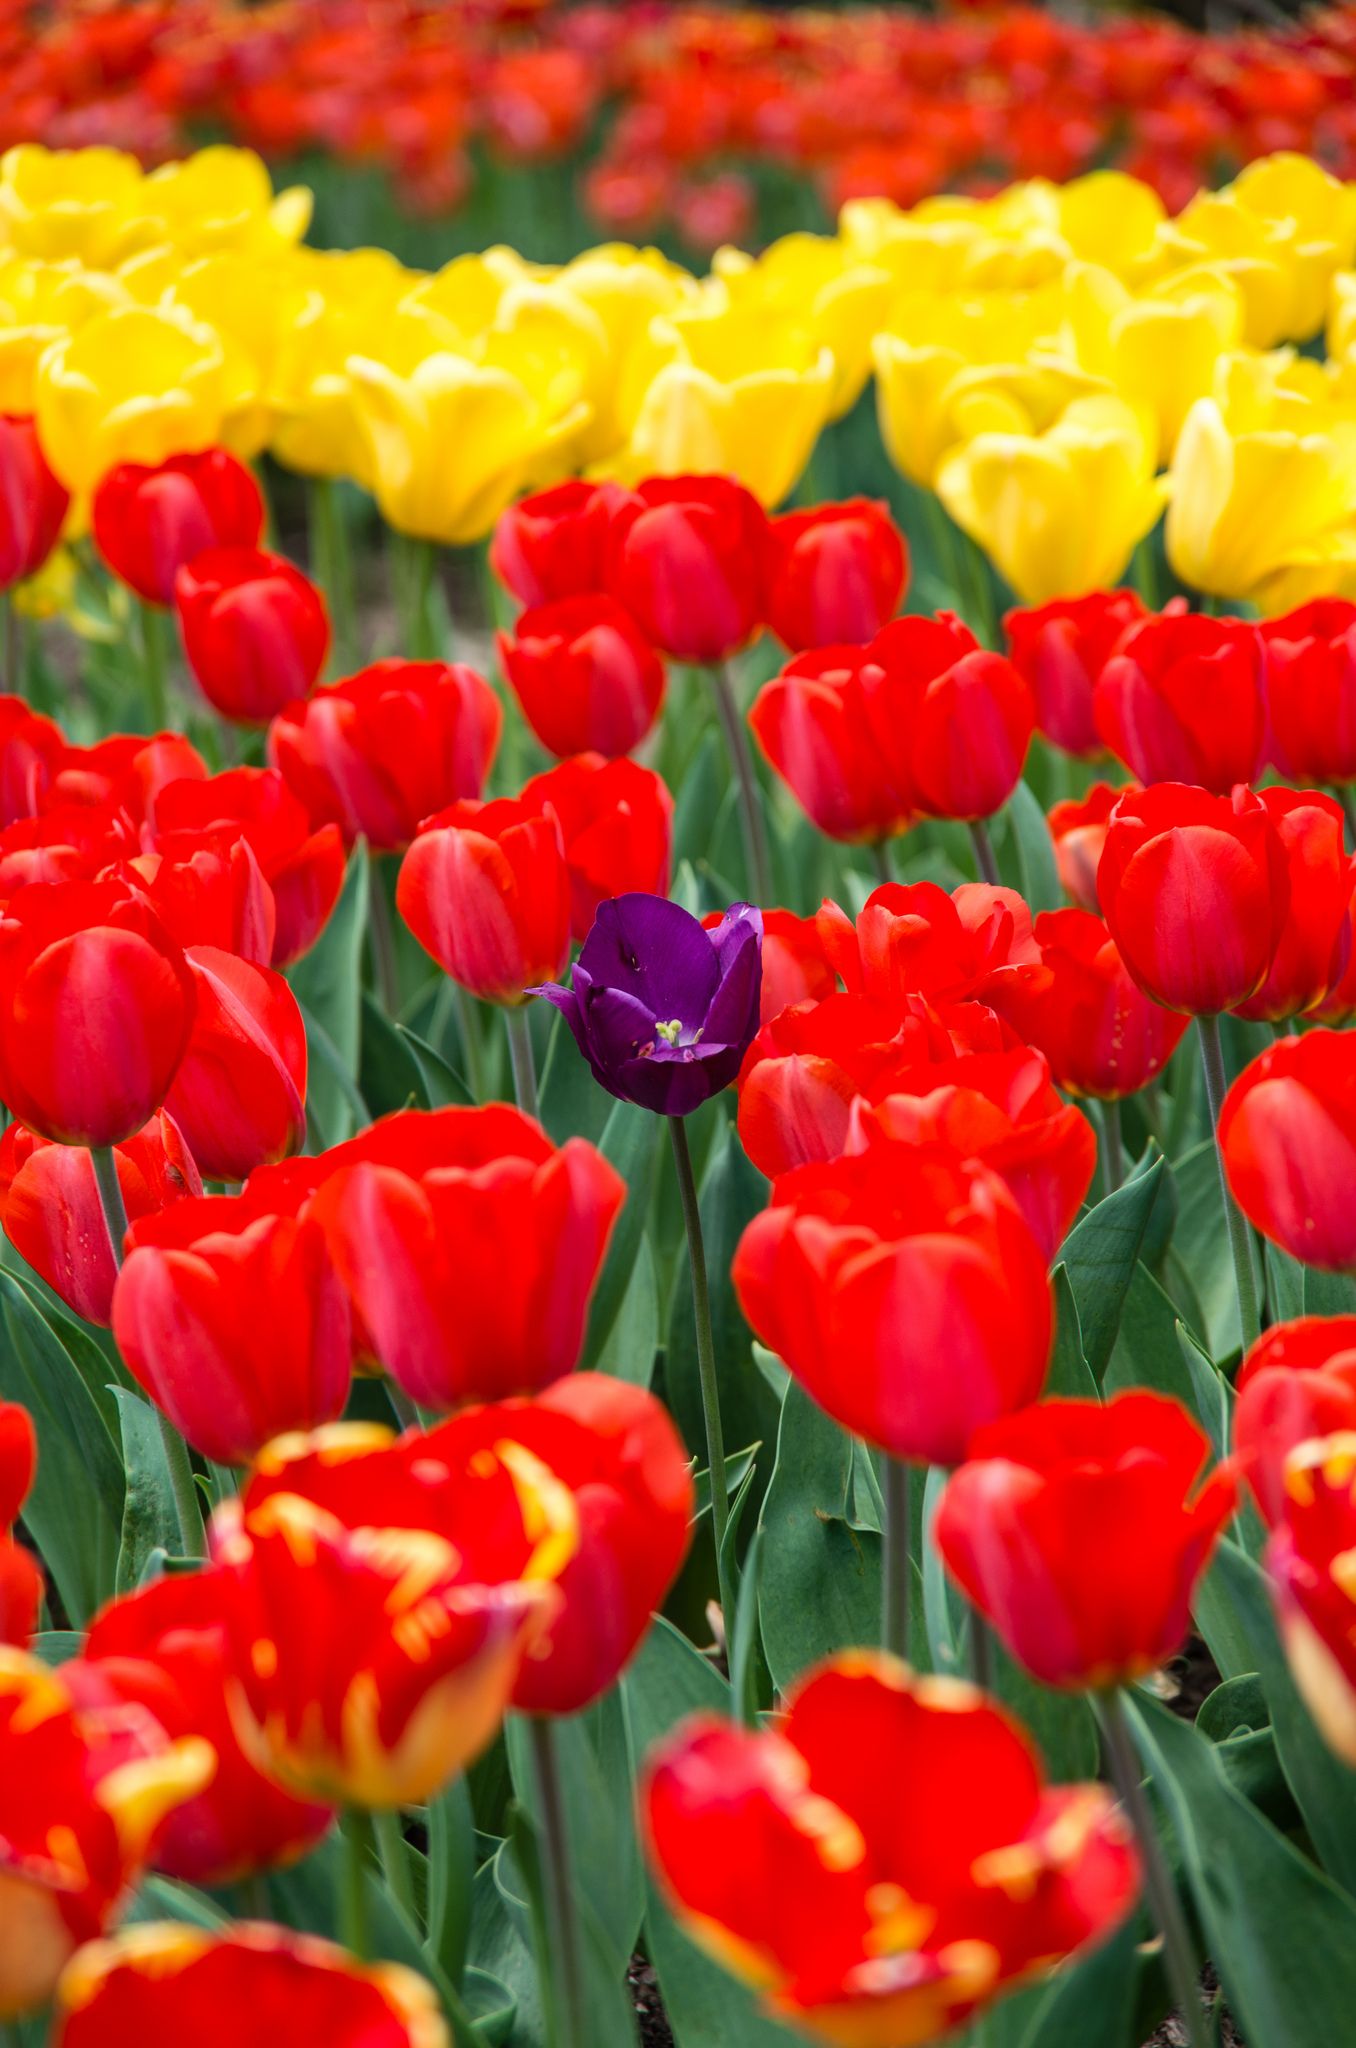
677, 967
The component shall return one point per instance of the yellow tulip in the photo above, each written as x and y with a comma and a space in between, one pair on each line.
812, 277
1158, 351
57, 203
350, 301
625, 289
1342, 314
133, 384
1059, 512
218, 198
39, 304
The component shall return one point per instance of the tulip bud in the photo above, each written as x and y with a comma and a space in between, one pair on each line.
1060, 650
960, 719
819, 725
1182, 701
239, 1096
1307, 1564
148, 523
30, 749
834, 574
915, 939
255, 631
616, 828
552, 545
1297, 1381
585, 675
1078, 828
18, 1460
34, 503
1315, 945
684, 556
1311, 690
485, 890
1287, 1135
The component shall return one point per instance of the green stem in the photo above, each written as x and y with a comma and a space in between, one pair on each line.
881, 852
394, 1852
897, 1533
984, 854
332, 567
1113, 1153
154, 666
416, 592
1179, 1957
981, 1651
407, 1415
385, 971
1212, 1063
1346, 798
524, 1066
354, 1929
564, 1932
706, 1362
750, 802
468, 1031
183, 1486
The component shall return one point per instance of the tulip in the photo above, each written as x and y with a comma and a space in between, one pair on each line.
796, 964
663, 1010
149, 523
239, 1095
584, 674
97, 1005
30, 748
18, 1460
1196, 892
21, 1580
379, 1605
616, 828
1060, 650
52, 1215
904, 1291
1182, 701
1311, 690
915, 939
1078, 828
126, 771
65, 843
878, 1928
255, 631
1298, 1381
382, 750
1307, 1562
491, 1183
1078, 1004
1315, 945
834, 575
818, 724
78, 1821
21, 1593
685, 557
171, 1982
157, 1660
960, 718
34, 502
131, 384
552, 545
485, 890
1080, 1531
1287, 1135
204, 894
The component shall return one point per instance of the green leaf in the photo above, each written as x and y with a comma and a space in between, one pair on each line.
452, 1871
821, 1577
1094, 2001
632, 1345
573, 1104
149, 1520
629, 1142
1069, 1378
706, 2007
389, 1075
442, 1084
666, 1680
1328, 1294
1201, 1241
593, 1762
1100, 1254
328, 985
1035, 851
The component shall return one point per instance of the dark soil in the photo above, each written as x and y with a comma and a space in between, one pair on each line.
651, 2021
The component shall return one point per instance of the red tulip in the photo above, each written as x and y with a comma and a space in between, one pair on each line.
1060, 650
904, 1291
796, 964
856, 1859
1182, 701
684, 556
18, 1460
490, 1182
149, 522
1287, 1134
381, 751
485, 890
1078, 829
21, 1590
126, 771
1080, 1530
255, 631
52, 1215
915, 939
1311, 690
834, 574
64, 843
553, 544
616, 828
1308, 1563
1196, 892
33, 504
239, 1096
1298, 1381
584, 674
961, 719
96, 1002
1315, 944
21, 1580
818, 724
30, 749
207, 895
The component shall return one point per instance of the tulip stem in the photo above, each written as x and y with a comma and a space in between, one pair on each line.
332, 567
984, 854
154, 669
881, 850
895, 1559
1212, 1063
706, 1364
524, 1066
354, 1930
385, 971
1113, 1155
394, 1852
1179, 1956
183, 1486
563, 1930
981, 1651
741, 760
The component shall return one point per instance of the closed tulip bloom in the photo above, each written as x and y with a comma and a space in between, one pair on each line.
79, 1822
1298, 1381
684, 556
616, 829
21, 1580
33, 503
126, 770
239, 1094
553, 545
170, 1982
1078, 827
818, 725
1308, 1561
382, 750
52, 1215
65, 843
1060, 650
960, 718
31, 748
616, 1450
893, 1917
584, 674
485, 890
915, 939
380, 1603
834, 574
1080, 1530
904, 1291
18, 1460
1287, 1134
796, 965
21, 1592
1196, 891
158, 1659
96, 1004
662, 1009
1078, 1004
255, 631
235, 1322
1311, 690
205, 894
148, 523
1183, 701
1315, 945
420, 1213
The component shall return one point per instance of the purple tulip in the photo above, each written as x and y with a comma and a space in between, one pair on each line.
662, 1009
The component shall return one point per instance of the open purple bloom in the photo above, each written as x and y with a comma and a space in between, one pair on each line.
662, 1009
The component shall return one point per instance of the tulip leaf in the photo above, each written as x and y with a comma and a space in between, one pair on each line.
1281, 1934
632, 1347
166, 1898
442, 1084
451, 1825
629, 1142
573, 1104
500, 1950
1329, 1294
327, 983
609, 2016
1035, 850
1148, 1350
149, 1520
1092, 2000
1201, 1241
390, 1077
1100, 1254
666, 1680
593, 1761
1069, 1377
706, 2007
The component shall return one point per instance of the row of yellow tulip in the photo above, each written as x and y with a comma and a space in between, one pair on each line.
1057, 363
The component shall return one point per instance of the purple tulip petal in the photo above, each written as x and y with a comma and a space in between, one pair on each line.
658, 953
